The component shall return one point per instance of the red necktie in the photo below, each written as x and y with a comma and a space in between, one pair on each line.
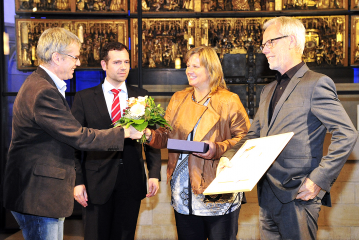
116, 108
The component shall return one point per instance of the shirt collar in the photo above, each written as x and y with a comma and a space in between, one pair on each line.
60, 84
290, 73
107, 87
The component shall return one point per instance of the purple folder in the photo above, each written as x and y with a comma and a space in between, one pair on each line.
187, 146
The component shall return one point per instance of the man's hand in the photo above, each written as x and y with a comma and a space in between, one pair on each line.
153, 187
80, 195
132, 133
223, 163
210, 153
308, 190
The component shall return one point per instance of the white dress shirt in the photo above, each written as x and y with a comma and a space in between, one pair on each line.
123, 95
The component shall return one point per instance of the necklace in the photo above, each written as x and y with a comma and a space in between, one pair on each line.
194, 98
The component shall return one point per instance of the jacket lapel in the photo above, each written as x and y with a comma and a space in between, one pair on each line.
191, 117
131, 92
100, 102
289, 89
267, 104
212, 117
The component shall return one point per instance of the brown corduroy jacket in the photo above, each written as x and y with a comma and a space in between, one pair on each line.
224, 121
39, 177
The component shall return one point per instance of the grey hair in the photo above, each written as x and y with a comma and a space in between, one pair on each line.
54, 40
289, 26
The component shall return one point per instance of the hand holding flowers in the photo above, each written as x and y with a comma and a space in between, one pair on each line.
142, 112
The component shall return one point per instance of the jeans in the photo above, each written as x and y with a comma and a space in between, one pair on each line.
40, 228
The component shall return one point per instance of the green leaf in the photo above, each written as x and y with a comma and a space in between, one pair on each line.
141, 127
138, 121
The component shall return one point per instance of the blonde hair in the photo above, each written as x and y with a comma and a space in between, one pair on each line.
289, 26
54, 40
208, 58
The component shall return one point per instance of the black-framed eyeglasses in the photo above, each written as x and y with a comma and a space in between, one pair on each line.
269, 43
76, 58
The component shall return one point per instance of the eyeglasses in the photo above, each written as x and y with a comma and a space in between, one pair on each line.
76, 58
269, 43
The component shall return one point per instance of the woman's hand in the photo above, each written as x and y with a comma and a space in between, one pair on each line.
148, 134
210, 153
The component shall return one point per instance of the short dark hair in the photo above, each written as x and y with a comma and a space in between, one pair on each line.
110, 47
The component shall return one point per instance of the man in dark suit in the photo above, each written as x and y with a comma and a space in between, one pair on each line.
291, 193
40, 170
111, 185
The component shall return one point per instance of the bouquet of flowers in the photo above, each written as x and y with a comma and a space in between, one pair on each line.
142, 112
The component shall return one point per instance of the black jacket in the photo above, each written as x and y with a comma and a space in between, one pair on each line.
99, 169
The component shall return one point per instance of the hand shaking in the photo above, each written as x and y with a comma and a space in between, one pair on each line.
132, 133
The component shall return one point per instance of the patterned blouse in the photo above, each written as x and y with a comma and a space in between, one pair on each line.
197, 204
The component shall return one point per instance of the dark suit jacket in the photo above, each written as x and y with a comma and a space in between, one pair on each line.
99, 169
309, 107
40, 170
